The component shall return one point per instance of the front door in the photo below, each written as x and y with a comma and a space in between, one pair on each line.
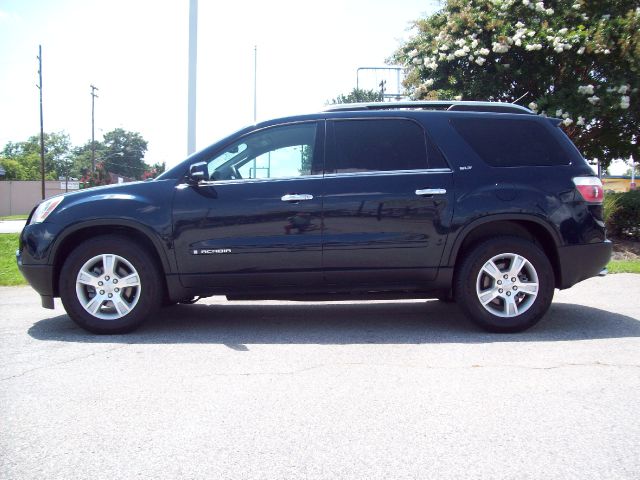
256, 222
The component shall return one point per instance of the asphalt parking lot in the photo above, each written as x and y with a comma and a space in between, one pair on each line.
378, 390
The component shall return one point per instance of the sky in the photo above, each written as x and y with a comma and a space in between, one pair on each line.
136, 53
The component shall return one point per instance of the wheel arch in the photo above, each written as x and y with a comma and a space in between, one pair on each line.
525, 226
85, 231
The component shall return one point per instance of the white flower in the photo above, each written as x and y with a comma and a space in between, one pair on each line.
483, 51
567, 121
518, 42
607, 51
549, 11
500, 47
563, 31
580, 121
580, 50
451, 56
413, 53
586, 89
533, 106
533, 46
480, 60
525, 2
444, 47
519, 25
559, 112
593, 100
417, 61
442, 56
429, 82
565, 115
624, 102
576, 6
459, 53
474, 43
460, 42
457, 98
540, 6
623, 89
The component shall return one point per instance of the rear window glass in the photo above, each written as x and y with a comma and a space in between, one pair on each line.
378, 145
511, 143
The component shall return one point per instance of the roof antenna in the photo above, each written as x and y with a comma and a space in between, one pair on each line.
520, 98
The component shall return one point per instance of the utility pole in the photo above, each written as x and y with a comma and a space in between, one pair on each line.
41, 121
193, 68
93, 129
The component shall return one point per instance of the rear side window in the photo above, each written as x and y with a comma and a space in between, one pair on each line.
511, 143
377, 145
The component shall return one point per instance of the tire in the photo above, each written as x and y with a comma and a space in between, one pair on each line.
110, 285
505, 284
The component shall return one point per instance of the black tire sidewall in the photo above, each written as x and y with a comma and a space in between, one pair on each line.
474, 260
150, 294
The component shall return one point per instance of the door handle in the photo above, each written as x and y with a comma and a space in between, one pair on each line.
296, 197
426, 192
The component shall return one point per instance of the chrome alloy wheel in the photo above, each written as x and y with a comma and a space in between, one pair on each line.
108, 286
507, 285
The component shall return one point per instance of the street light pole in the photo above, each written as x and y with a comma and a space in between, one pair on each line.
193, 60
41, 122
93, 129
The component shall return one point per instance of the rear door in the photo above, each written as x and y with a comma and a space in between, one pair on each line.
387, 203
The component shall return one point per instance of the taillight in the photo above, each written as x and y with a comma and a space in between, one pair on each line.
590, 188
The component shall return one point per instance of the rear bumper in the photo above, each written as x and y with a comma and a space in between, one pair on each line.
579, 262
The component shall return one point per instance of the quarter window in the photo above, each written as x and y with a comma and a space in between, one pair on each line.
377, 145
511, 143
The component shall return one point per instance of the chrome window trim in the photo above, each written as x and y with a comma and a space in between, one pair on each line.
377, 173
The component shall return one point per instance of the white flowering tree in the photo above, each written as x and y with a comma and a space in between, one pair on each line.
573, 59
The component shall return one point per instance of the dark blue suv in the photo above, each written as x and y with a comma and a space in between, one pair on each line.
484, 204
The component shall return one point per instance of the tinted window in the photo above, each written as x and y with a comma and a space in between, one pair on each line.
377, 145
277, 152
511, 143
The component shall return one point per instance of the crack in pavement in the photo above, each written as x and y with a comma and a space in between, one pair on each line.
64, 362
427, 367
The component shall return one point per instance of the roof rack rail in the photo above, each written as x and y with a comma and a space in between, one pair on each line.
463, 106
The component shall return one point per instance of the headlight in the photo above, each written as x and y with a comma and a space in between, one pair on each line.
45, 209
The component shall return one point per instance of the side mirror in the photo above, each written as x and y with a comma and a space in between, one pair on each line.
197, 173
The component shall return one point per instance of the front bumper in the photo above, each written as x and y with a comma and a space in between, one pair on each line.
40, 277
579, 262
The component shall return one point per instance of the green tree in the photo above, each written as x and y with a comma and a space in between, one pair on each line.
81, 158
124, 153
573, 59
26, 156
358, 96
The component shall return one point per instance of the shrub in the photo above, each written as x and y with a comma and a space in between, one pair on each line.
624, 218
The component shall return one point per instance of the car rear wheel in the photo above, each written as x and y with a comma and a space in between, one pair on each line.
110, 285
505, 284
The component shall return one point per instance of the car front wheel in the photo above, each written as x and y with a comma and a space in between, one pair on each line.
110, 285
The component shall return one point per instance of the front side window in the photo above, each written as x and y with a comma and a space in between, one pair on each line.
377, 145
277, 152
